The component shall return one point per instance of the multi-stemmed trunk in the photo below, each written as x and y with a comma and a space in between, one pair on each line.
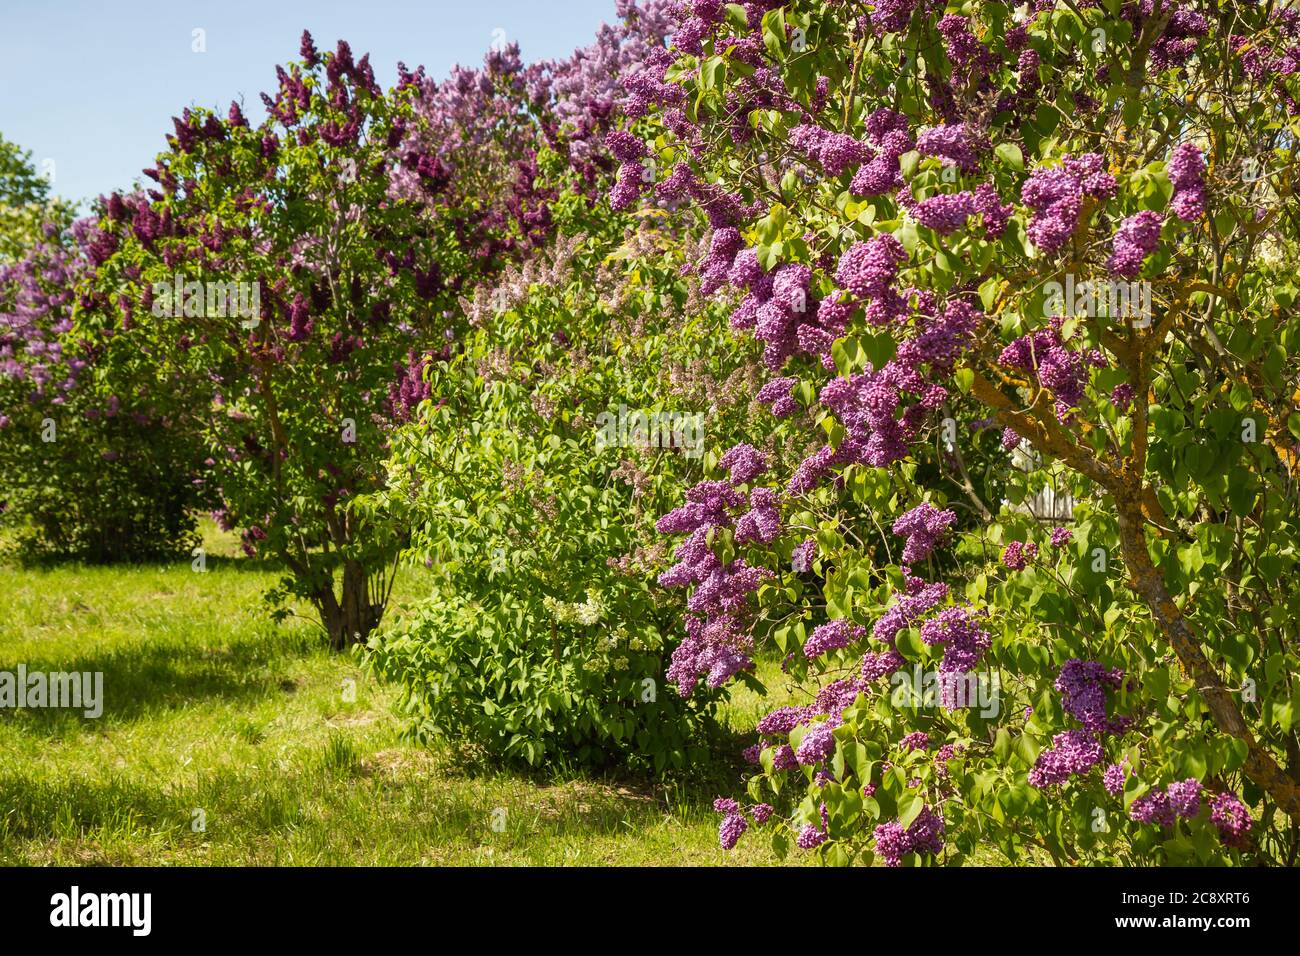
350, 616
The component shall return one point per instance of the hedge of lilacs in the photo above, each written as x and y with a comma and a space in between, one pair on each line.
889, 191
81, 474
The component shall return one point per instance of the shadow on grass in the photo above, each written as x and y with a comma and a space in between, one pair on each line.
718, 769
213, 562
321, 809
43, 809
149, 676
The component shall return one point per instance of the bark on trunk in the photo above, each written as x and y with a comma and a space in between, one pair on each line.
1147, 580
350, 617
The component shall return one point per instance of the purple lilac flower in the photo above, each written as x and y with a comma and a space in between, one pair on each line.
776, 395
1185, 797
783, 758
763, 521
831, 636
810, 837
745, 462
1082, 687
802, 558
891, 842
946, 212
924, 835
762, 812
950, 142
1056, 195
731, 829
1232, 819
1018, 554
1113, 779
1061, 370
781, 721
918, 740
835, 152
1186, 170
924, 527
876, 666
816, 746
1135, 239
1072, 752
1152, 807
1061, 537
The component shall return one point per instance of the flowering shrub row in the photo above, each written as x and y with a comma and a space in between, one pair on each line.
887, 192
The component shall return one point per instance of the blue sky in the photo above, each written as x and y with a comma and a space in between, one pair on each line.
90, 85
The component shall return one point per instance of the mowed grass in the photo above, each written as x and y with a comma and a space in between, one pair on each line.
215, 715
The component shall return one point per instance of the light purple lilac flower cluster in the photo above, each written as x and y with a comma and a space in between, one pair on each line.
924, 527
834, 152
1182, 798
887, 130
36, 300
1082, 686
777, 394
1056, 195
964, 644
871, 405
1061, 370
1113, 778
917, 740
1018, 554
1134, 240
954, 142
925, 835
1232, 819
778, 306
717, 641
734, 824
802, 558
831, 636
1177, 42
1186, 170
1072, 752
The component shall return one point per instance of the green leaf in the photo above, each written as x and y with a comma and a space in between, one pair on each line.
907, 163
911, 811
1010, 154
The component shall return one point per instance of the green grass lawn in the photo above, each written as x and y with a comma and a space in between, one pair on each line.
212, 709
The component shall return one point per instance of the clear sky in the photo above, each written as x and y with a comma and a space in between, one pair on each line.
90, 86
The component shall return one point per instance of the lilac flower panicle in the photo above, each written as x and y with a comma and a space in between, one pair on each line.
831, 636
810, 837
1072, 752
1018, 554
924, 527
1113, 779
1136, 238
816, 746
1185, 797
1153, 807
1232, 819
731, 829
